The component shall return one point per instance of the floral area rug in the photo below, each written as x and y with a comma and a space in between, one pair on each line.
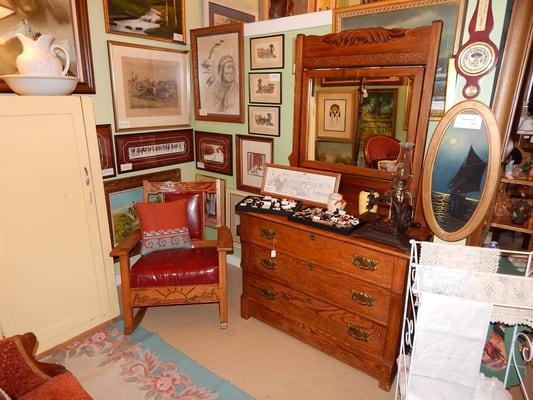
111, 365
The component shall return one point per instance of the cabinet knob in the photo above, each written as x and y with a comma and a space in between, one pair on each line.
363, 298
267, 293
358, 333
268, 233
365, 263
268, 263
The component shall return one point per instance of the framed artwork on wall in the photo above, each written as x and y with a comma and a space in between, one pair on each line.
265, 87
218, 64
215, 204
410, 14
253, 153
157, 19
122, 194
214, 152
267, 52
105, 148
140, 151
150, 86
219, 13
323, 5
378, 113
67, 21
335, 115
264, 120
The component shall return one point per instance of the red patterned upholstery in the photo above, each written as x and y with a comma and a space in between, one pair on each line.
380, 147
176, 267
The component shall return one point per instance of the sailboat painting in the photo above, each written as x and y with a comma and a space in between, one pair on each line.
459, 171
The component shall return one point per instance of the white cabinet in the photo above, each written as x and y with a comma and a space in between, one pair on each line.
56, 276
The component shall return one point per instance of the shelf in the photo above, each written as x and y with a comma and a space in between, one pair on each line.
524, 182
505, 223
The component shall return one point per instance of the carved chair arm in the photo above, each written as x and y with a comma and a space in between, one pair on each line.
29, 342
224, 239
126, 245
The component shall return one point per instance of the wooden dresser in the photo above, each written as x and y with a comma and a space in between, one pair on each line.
340, 294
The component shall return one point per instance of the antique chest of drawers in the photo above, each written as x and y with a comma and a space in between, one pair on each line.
340, 294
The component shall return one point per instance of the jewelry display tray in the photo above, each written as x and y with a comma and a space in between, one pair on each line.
258, 201
325, 221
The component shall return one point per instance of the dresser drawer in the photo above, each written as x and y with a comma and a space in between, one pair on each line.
324, 283
358, 261
341, 328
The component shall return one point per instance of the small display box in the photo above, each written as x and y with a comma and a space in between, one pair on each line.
269, 205
338, 221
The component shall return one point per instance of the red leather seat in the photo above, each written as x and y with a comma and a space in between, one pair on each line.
380, 147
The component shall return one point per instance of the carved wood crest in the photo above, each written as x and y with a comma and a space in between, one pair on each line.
363, 36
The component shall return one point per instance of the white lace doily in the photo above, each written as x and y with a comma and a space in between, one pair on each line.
469, 258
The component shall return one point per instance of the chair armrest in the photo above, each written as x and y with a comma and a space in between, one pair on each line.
224, 239
29, 342
126, 245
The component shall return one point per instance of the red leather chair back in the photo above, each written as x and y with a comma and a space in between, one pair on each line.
195, 211
380, 147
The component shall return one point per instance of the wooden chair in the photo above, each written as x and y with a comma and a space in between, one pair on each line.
380, 147
176, 276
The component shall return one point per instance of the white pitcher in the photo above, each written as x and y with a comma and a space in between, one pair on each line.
38, 57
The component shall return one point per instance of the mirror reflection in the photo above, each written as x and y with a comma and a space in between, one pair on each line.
357, 120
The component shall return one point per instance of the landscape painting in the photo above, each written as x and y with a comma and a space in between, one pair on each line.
123, 217
378, 113
150, 19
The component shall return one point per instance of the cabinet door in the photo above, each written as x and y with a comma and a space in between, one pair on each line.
56, 278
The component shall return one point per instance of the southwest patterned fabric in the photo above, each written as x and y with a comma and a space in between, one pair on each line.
18, 374
165, 239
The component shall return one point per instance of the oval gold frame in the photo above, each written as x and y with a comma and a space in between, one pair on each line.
493, 169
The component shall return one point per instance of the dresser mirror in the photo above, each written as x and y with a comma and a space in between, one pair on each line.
357, 84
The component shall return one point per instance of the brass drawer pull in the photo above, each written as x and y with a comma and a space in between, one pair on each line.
365, 263
268, 233
268, 293
358, 333
268, 263
363, 298
311, 267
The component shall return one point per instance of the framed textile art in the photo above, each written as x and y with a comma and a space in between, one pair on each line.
214, 152
140, 151
150, 86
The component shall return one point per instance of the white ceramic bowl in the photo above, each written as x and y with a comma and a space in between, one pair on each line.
41, 85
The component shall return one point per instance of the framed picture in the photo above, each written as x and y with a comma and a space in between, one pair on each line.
346, 81
323, 5
461, 170
378, 113
105, 148
410, 14
215, 203
218, 64
234, 197
263, 120
335, 115
265, 87
335, 152
66, 20
267, 52
122, 194
150, 86
157, 19
140, 151
269, 9
214, 152
310, 186
218, 13
253, 153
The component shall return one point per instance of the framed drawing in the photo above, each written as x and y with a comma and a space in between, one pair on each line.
335, 115
218, 64
218, 13
263, 120
66, 20
461, 170
157, 19
378, 113
267, 52
105, 148
150, 86
140, 151
215, 203
410, 14
265, 87
214, 152
253, 153
310, 186
234, 197
122, 194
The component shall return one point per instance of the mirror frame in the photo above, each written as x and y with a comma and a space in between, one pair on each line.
364, 48
493, 169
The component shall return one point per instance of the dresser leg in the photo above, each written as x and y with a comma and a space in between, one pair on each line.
245, 310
